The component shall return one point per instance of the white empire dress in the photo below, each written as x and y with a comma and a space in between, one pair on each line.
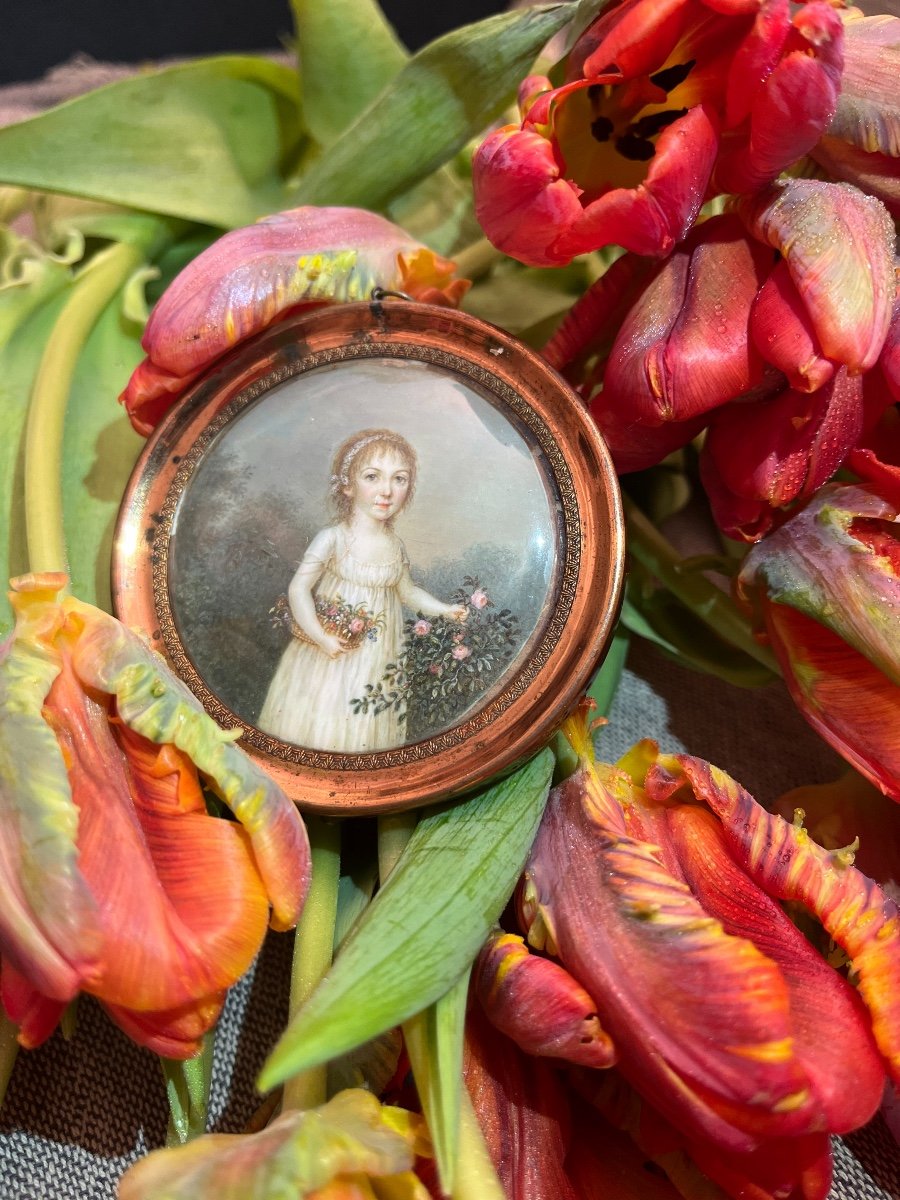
308, 701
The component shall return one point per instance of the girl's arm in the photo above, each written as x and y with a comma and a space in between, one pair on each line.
421, 601
300, 597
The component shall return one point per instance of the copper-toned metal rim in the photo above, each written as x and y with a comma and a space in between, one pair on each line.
569, 643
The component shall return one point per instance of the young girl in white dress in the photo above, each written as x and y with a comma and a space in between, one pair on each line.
358, 561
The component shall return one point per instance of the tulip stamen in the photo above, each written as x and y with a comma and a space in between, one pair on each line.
669, 78
845, 855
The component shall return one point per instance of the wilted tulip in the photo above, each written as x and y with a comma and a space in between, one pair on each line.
826, 585
767, 351
862, 142
351, 1148
763, 456
656, 885
117, 882
623, 152
250, 277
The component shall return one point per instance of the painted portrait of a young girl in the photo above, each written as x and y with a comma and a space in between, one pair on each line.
346, 605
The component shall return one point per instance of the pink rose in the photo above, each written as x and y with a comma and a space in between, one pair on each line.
421, 628
479, 598
434, 669
357, 625
460, 652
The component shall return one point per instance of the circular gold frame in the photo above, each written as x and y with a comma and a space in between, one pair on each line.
588, 575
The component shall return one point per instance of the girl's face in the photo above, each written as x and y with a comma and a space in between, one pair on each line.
380, 485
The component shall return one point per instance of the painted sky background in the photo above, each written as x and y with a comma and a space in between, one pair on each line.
477, 476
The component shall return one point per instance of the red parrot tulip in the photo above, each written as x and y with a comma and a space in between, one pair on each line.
827, 587
117, 882
656, 885
658, 100
252, 276
862, 143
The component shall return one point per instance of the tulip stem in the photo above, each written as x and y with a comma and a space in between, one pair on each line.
313, 946
472, 1173
476, 259
95, 288
692, 588
394, 831
9, 1048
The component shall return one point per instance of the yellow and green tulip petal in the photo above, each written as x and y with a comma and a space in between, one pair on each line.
339, 1150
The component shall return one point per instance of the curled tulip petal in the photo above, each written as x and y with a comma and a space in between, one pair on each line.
784, 334
181, 907
838, 244
521, 200
168, 899
821, 564
301, 1154
49, 928
786, 863
523, 1112
847, 700
250, 276
761, 456
832, 1036
150, 701
173, 1033
640, 943
683, 348
538, 1004
792, 106
868, 112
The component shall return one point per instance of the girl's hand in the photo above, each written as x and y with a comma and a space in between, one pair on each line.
332, 645
459, 612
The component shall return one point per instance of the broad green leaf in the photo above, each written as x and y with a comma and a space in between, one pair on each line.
424, 928
434, 1042
445, 95
347, 54
207, 141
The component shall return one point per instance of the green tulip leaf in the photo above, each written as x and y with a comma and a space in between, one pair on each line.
207, 141
445, 95
683, 636
425, 926
434, 1041
348, 54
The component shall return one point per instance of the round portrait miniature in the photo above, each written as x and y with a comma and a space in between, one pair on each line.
384, 542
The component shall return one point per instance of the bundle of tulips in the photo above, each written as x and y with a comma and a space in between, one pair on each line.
639, 982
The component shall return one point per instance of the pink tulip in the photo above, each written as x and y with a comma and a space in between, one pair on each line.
250, 277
